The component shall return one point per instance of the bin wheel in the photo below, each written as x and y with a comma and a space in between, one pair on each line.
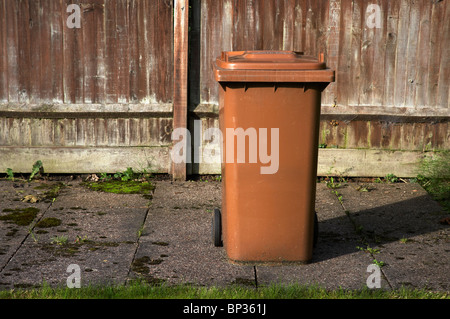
217, 228
316, 230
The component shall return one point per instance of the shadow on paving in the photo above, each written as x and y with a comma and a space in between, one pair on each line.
415, 219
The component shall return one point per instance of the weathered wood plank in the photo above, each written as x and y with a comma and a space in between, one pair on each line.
46, 63
24, 51
390, 55
68, 56
343, 76
112, 57
367, 48
368, 163
299, 26
442, 98
401, 54
379, 53
162, 74
86, 132
12, 49
437, 16
57, 23
353, 163
73, 160
3, 55
350, 163
413, 51
180, 98
93, 51
422, 62
355, 70
82, 110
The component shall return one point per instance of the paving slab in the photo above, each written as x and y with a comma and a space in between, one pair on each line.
176, 246
336, 262
400, 224
12, 201
96, 231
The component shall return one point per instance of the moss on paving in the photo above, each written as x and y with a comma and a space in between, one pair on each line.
48, 222
121, 187
20, 217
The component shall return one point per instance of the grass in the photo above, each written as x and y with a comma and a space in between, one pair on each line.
434, 177
138, 290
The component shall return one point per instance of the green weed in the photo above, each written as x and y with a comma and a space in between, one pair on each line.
331, 184
10, 174
391, 178
59, 240
38, 168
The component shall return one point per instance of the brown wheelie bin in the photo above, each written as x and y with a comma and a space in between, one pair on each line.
269, 118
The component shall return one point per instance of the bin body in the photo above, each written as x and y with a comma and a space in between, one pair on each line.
268, 200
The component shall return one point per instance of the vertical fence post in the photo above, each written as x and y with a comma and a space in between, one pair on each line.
180, 95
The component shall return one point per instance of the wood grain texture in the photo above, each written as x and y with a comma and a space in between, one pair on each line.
180, 97
121, 54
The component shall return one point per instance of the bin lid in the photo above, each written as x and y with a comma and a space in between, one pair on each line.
271, 66
268, 60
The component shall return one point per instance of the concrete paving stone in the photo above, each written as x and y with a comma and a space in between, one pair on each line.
390, 212
76, 196
115, 224
176, 245
401, 222
38, 263
416, 264
11, 234
101, 231
336, 262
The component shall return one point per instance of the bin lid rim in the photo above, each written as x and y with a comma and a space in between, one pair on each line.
269, 60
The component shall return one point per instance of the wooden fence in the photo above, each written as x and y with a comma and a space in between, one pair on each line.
107, 95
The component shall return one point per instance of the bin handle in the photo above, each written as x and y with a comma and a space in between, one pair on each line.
226, 55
